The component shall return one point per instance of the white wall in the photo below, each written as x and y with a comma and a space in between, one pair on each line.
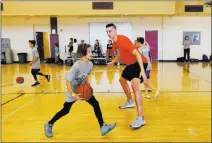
20, 31
98, 31
79, 28
172, 36
170, 31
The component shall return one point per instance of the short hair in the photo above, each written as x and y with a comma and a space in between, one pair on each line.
32, 42
56, 44
186, 37
111, 25
82, 49
71, 38
140, 40
75, 40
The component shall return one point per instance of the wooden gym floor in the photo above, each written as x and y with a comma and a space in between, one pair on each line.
182, 111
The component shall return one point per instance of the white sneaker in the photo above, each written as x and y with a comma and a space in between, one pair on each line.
138, 122
157, 93
128, 104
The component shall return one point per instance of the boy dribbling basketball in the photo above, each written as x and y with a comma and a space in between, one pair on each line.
76, 76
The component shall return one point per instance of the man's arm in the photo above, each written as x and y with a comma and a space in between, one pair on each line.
116, 59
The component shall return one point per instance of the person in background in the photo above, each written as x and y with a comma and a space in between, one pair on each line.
56, 51
97, 48
82, 42
109, 51
74, 52
70, 45
35, 64
186, 44
144, 49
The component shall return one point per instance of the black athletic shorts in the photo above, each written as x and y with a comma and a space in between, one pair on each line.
133, 71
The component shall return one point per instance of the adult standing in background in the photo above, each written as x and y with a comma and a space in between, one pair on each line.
70, 45
186, 44
82, 42
74, 52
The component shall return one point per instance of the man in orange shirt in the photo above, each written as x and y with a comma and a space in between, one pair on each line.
134, 71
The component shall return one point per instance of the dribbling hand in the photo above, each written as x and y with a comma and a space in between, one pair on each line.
77, 97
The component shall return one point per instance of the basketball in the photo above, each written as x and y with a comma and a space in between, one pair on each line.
19, 80
85, 90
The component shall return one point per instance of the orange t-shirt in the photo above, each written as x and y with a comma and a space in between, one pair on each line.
125, 48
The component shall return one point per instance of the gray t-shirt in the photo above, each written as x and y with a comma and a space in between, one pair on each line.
77, 75
35, 65
186, 42
145, 51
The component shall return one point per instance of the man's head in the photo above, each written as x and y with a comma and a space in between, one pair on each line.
139, 42
186, 37
71, 39
32, 43
111, 30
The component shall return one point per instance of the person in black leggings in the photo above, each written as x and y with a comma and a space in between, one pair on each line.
76, 76
35, 63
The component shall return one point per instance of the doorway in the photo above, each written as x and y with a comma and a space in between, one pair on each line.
151, 36
42, 39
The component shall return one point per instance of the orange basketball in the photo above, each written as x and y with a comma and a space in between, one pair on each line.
85, 90
19, 80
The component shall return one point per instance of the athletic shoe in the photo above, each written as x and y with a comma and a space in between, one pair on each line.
106, 128
48, 130
157, 92
138, 122
48, 78
128, 104
146, 95
36, 84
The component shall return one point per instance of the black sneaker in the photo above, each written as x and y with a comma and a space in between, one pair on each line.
36, 84
48, 78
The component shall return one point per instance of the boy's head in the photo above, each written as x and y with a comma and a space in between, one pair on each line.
32, 43
56, 45
75, 40
186, 37
139, 42
111, 30
84, 50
